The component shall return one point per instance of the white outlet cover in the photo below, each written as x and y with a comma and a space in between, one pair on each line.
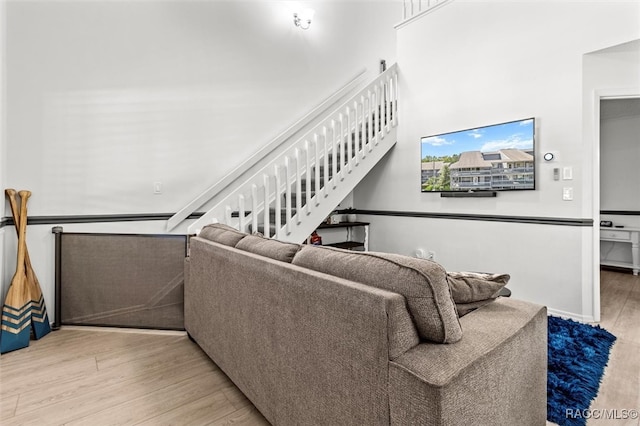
567, 194
567, 173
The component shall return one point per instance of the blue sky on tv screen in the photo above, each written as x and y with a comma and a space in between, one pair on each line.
515, 134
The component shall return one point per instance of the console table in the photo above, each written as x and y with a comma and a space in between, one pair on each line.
623, 235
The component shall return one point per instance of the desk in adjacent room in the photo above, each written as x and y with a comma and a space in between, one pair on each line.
623, 235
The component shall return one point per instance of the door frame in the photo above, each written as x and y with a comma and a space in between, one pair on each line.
599, 95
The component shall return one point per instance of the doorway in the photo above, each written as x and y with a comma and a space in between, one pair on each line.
617, 200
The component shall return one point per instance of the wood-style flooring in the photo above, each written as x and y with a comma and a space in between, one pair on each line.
620, 315
88, 376
80, 376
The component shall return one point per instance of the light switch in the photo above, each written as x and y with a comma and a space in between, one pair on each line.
157, 188
567, 173
567, 194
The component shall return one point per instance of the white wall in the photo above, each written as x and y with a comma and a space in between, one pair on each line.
473, 63
3, 162
609, 74
105, 98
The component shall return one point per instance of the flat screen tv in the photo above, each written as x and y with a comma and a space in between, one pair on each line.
498, 157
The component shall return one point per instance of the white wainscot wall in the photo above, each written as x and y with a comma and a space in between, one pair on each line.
539, 258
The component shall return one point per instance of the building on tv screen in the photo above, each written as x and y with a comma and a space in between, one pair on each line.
491, 158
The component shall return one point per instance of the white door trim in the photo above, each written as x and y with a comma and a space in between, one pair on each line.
598, 95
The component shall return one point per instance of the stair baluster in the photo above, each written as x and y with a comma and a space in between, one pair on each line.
334, 154
241, 213
349, 141
287, 218
307, 177
316, 168
314, 173
254, 207
298, 183
266, 193
278, 203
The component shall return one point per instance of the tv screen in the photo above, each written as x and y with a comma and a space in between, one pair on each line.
497, 157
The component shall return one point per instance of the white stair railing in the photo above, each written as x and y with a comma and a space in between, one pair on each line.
265, 152
413, 9
287, 198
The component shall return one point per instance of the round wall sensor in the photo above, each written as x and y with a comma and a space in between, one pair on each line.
548, 156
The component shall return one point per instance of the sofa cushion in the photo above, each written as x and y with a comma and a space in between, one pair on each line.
222, 234
423, 283
267, 247
471, 290
465, 308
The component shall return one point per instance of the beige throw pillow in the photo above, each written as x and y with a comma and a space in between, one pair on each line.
267, 247
471, 290
222, 234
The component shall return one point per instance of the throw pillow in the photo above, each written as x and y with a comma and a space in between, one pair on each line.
471, 290
423, 283
267, 247
222, 234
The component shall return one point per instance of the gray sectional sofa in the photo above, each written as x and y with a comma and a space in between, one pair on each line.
320, 336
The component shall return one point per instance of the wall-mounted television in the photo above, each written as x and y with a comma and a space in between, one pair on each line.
497, 157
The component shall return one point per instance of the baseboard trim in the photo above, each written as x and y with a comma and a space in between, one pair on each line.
571, 315
123, 330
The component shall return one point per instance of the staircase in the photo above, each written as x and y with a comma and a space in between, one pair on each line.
305, 180
416, 9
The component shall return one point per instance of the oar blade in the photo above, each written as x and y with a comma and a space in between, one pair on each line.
39, 318
16, 318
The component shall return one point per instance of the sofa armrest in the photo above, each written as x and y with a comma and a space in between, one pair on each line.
497, 373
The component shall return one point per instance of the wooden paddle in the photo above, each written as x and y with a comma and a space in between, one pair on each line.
39, 318
16, 313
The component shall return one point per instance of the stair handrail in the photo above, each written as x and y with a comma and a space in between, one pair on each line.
209, 193
386, 117
415, 9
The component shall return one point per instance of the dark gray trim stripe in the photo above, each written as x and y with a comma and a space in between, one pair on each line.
58, 220
621, 212
486, 218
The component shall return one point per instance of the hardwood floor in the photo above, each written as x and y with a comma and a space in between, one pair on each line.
89, 376
620, 315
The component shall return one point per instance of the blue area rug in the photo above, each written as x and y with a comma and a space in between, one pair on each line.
577, 356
